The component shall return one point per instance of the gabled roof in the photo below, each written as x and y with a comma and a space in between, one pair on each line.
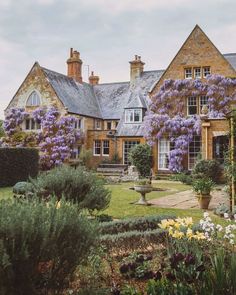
77, 98
231, 57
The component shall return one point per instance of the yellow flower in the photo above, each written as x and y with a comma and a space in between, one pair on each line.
188, 221
178, 234
58, 204
164, 224
189, 233
199, 236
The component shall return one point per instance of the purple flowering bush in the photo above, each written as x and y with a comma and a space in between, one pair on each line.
167, 115
56, 138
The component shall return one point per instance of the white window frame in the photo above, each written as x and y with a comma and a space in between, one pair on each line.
206, 71
190, 164
188, 73
191, 105
201, 99
32, 123
33, 100
106, 144
197, 72
97, 144
165, 153
132, 143
130, 115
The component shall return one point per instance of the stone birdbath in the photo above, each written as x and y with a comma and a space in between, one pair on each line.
143, 187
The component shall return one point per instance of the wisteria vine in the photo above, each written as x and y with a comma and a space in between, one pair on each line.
56, 139
167, 112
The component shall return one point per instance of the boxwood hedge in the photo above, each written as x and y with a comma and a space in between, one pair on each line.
17, 164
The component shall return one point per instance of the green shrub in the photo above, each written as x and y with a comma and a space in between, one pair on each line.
85, 157
141, 157
40, 245
207, 169
22, 188
182, 177
75, 185
133, 240
133, 224
17, 164
104, 218
203, 185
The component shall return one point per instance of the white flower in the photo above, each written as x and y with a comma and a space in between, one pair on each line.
235, 217
205, 214
219, 227
226, 215
231, 241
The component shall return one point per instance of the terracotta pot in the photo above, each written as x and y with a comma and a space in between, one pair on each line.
204, 200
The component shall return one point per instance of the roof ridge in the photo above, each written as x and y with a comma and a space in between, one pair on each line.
231, 53
109, 83
56, 73
153, 71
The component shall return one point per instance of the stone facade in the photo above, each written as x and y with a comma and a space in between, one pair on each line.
104, 107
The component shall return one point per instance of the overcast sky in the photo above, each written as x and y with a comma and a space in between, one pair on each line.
108, 33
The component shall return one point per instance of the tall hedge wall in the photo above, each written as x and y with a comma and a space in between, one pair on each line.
17, 164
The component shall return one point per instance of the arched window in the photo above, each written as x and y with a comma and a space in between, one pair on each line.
33, 99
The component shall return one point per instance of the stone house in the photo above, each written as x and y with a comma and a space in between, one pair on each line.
111, 114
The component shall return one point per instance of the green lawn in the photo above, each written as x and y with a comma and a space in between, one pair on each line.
122, 197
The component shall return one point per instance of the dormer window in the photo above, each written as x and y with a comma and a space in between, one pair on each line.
33, 100
133, 116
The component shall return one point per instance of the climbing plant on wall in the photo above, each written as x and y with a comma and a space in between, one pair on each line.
167, 115
55, 139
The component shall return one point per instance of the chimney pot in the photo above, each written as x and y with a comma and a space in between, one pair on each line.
136, 68
93, 80
74, 69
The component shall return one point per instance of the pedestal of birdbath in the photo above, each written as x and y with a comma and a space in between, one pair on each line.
143, 190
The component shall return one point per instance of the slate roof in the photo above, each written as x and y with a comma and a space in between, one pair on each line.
231, 57
78, 98
112, 97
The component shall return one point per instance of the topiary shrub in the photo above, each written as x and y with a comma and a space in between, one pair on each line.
17, 164
76, 185
207, 169
41, 246
141, 157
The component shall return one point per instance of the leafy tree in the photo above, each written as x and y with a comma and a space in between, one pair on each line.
140, 156
1, 129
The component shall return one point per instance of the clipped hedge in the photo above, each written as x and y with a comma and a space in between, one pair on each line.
132, 224
133, 239
17, 164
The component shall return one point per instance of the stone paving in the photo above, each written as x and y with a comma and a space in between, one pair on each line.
187, 200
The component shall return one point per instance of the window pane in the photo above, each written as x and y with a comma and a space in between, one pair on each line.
206, 71
197, 73
163, 153
194, 150
137, 115
127, 145
33, 99
188, 73
192, 105
97, 147
106, 146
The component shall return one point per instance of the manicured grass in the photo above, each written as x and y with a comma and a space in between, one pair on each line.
122, 197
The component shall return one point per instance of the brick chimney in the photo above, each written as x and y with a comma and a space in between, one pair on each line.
74, 63
93, 80
136, 68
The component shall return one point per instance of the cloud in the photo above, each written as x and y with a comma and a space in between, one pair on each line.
107, 33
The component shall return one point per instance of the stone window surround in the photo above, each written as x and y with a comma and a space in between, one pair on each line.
132, 114
200, 102
191, 72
